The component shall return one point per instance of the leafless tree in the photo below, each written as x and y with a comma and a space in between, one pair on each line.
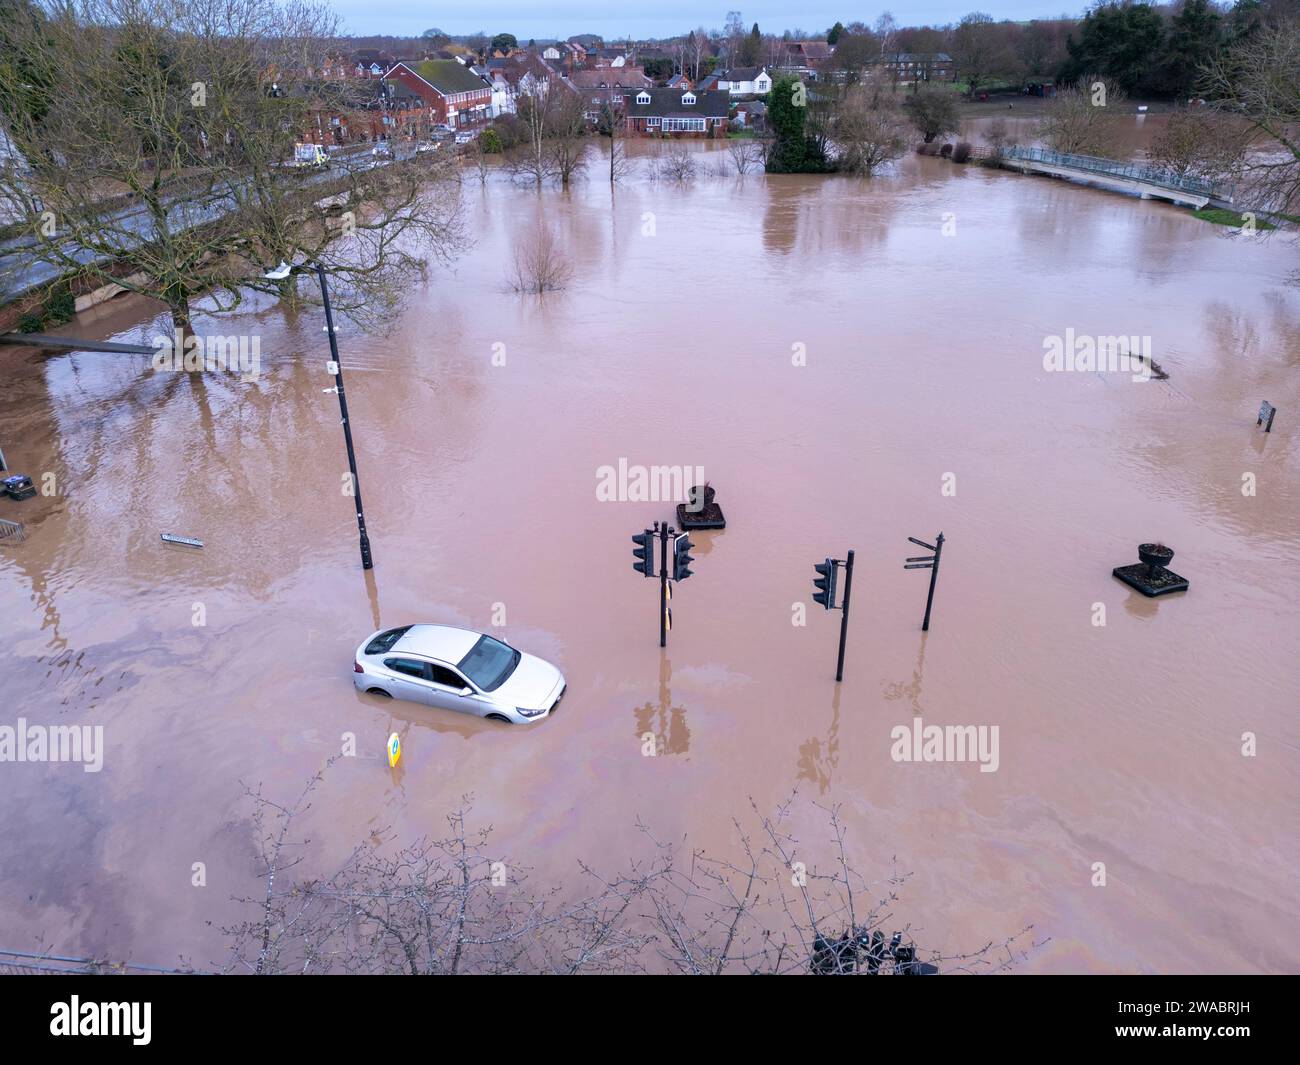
746, 154
998, 134
450, 905
148, 148
868, 130
539, 264
552, 120
611, 121
674, 162
1202, 143
1258, 81
1082, 118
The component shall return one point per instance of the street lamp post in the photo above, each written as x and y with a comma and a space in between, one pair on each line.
279, 274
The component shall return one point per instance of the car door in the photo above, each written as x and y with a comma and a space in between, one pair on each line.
410, 680
447, 689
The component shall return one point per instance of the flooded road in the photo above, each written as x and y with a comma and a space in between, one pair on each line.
851, 363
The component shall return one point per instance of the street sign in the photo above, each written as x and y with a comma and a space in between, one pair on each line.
187, 541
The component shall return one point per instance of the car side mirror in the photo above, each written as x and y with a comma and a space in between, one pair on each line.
467, 691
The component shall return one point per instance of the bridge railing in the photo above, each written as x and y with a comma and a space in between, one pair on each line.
1152, 175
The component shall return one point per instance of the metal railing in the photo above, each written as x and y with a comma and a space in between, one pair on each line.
26, 963
1151, 175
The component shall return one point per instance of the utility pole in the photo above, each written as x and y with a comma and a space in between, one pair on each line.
366, 561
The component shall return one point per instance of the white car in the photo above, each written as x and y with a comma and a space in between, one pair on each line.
457, 669
464, 138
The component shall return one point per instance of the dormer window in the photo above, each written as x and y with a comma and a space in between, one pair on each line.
688, 99
643, 97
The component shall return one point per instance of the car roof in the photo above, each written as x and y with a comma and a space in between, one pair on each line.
442, 642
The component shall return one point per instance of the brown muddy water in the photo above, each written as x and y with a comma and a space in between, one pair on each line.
673, 345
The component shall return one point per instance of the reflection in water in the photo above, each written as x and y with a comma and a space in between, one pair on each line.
818, 760
663, 724
897, 689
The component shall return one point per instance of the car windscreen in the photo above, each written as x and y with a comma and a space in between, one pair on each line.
489, 663
383, 643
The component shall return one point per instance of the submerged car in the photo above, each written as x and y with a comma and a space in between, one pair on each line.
458, 669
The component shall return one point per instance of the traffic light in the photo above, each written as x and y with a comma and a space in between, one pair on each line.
644, 553
681, 557
824, 583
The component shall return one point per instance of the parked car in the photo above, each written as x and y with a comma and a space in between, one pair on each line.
464, 138
430, 146
382, 151
458, 669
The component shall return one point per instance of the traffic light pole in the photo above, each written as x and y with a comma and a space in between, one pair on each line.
844, 616
663, 585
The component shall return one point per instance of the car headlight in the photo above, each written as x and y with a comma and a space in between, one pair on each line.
529, 713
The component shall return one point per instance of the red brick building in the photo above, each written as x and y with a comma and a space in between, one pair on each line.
455, 94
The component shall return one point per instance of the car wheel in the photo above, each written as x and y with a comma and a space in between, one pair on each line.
499, 717
379, 691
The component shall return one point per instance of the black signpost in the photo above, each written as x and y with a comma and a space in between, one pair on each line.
824, 593
930, 562
1266, 412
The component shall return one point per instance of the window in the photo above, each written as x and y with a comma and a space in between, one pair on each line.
643, 97
385, 640
489, 663
447, 678
409, 666
688, 98
683, 125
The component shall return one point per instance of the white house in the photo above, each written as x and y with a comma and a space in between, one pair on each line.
746, 81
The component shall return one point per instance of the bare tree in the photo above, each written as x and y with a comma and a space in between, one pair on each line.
746, 154
554, 126
451, 906
867, 130
1257, 80
1080, 119
611, 121
1201, 143
674, 163
149, 145
539, 264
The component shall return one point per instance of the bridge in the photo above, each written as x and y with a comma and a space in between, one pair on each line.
1149, 182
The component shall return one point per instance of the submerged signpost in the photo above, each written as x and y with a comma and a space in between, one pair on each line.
930, 562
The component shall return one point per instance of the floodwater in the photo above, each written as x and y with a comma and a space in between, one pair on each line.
851, 363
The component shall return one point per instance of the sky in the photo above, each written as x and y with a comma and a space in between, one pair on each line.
616, 19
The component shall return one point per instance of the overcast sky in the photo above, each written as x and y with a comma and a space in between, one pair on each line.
661, 18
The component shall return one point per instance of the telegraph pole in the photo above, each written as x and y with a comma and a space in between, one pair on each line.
366, 561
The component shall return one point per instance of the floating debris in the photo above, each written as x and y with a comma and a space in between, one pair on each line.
187, 541
12, 531
19, 486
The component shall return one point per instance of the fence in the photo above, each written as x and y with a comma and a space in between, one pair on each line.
25, 963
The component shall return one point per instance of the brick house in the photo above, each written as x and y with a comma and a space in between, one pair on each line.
455, 94
671, 112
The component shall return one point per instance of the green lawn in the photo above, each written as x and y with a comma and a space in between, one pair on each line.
1221, 217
